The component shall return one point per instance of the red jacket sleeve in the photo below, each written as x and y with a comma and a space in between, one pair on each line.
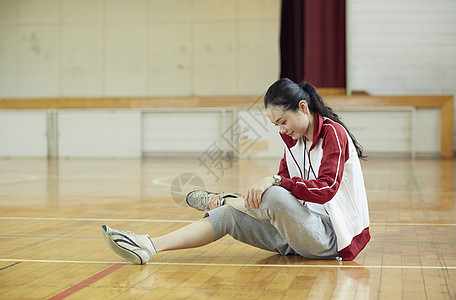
325, 186
283, 169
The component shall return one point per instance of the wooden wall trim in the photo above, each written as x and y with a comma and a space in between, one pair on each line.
113, 103
222, 101
444, 103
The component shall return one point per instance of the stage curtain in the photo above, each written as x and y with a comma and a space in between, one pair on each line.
312, 42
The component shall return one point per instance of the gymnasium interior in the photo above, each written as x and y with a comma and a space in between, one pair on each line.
111, 111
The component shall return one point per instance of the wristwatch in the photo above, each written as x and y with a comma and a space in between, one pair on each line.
277, 180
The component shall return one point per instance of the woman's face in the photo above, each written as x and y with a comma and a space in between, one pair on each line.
292, 123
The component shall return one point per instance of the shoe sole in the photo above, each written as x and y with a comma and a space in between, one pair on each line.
122, 252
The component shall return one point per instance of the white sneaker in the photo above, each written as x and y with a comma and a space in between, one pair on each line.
135, 248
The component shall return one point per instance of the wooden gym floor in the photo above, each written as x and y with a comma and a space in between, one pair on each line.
51, 246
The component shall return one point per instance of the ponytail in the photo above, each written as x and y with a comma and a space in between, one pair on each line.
287, 94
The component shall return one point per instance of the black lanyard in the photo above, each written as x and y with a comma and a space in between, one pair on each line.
305, 170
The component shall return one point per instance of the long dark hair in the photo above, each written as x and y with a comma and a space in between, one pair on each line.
287, 94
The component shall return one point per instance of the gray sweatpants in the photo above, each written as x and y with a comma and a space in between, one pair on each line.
281, 224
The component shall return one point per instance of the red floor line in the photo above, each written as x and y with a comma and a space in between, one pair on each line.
85, 283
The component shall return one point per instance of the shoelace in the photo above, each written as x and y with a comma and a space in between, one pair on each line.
203, 200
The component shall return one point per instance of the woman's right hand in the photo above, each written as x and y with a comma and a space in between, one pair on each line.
252, 197
214, 201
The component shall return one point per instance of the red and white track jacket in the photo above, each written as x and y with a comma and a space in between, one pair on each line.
329, 179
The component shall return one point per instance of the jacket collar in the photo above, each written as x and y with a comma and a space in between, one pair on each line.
318, 125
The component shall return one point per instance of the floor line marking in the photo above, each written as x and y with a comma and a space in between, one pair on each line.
339, 265
97, 220
415, 180
85, 283
191, 221
412, 224
10, 266
220, 240
50, 236
65, 261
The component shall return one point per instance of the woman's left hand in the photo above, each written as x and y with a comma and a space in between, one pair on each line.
253, 195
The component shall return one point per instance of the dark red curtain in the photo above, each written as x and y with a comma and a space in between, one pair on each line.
312, 42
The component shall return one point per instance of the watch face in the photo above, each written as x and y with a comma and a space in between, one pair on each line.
277, 179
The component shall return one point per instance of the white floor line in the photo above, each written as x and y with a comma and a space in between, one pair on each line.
96, 220
412, 224
340, 265
190, 221
62, 261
